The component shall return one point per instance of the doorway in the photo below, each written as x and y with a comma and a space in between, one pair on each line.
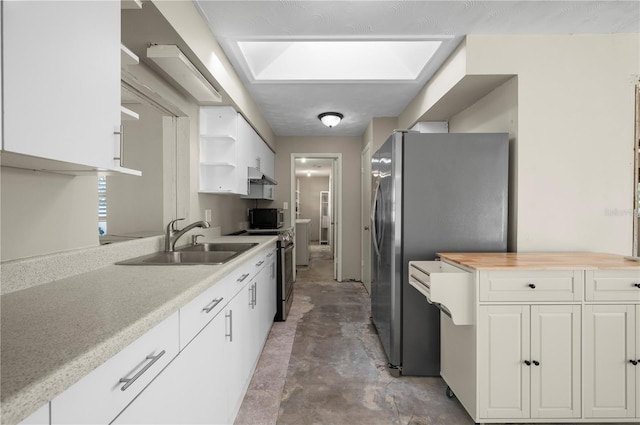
365, 213
316, 200
636, 178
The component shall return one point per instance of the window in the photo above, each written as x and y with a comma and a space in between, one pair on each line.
102, 205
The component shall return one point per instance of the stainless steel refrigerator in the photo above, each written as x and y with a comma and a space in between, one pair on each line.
432, 193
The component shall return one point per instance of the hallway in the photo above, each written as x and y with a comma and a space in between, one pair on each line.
325, 365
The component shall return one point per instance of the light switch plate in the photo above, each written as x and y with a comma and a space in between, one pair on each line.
207, 215
285, 205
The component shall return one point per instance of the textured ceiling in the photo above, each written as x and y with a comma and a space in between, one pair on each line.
292, 109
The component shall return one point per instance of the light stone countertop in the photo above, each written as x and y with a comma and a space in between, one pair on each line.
56, 333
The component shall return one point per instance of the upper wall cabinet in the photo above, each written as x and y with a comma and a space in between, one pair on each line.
262, 158
61, 82
223, 151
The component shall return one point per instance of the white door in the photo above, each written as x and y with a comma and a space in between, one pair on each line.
555, 358
610, 336
503, 346
365, 214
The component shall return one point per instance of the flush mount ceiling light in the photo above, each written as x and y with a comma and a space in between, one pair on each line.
330, 119
172, 61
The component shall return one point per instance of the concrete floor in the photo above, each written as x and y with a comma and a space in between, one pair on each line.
325, 365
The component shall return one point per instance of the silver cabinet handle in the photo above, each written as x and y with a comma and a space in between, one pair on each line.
229, 315
270, 254
243, 277
259, 263
128, 381
212, 305
255, 294
120, 156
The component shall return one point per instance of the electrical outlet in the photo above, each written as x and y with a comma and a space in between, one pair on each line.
285, 205
207, 215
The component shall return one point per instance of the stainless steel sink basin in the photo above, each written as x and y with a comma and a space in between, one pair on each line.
219, 246
207, 253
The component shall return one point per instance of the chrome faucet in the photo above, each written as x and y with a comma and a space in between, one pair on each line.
173, 234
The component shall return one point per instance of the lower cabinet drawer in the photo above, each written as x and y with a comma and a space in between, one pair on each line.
195, 315
612, 285
531, 285
102, 394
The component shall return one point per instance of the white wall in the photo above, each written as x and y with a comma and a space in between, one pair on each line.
310, 188
350, 148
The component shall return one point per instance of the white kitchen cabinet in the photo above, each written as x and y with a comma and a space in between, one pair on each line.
555, 337
262, 158
612, 344
223, 151
189, 390
99, 396
207, 381
68, 84
529, 361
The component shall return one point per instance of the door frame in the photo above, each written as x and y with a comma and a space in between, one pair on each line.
635, 249
336, 200
365, 216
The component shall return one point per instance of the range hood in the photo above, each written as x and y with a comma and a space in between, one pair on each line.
258, 177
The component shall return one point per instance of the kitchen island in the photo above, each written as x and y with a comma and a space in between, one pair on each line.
538, 337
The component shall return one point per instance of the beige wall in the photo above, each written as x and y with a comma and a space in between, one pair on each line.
45, 213
350, 148
575, 136
310, 188
575, 119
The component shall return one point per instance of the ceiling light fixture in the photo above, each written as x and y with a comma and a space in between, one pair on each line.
330, 119
172, 61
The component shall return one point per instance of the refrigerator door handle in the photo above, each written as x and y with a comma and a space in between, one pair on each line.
374, 228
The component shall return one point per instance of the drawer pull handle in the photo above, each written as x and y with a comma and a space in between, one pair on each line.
243, 277
536, 363
212, 305
527, 362
128, 381
633, 362
270, 254
532, 286
637, 285
259, 263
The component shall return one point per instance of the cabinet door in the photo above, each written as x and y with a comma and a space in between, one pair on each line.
555, 358
503, 345
237, 328
62, 71
610, 334
192, 389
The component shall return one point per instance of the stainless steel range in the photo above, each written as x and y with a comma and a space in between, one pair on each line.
284, 292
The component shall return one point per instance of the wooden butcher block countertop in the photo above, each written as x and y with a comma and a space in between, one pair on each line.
540, 260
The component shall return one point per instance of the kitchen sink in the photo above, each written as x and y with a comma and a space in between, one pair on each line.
206, 253
218, 246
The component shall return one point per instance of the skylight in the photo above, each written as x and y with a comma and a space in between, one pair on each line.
337, 60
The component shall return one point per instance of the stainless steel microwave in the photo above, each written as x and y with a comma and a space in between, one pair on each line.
266, 218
